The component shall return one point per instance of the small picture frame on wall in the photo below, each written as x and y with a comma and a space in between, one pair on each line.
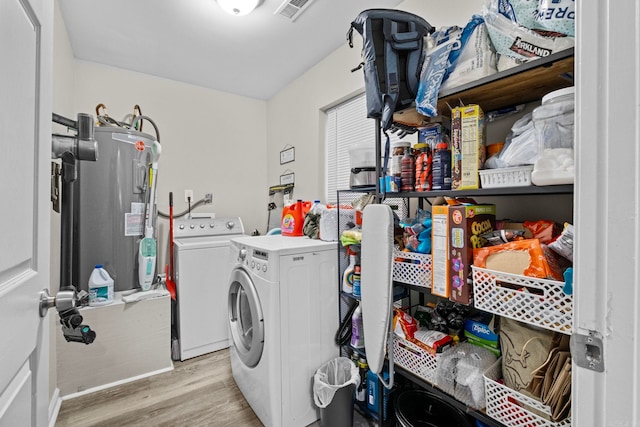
287, 178
287, 155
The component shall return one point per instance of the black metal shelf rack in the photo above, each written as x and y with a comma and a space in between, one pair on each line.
525, 83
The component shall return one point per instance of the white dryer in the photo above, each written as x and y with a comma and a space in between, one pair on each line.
283, 315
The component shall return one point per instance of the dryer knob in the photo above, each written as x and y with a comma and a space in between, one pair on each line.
230, 225
201, 225
192, 226
264, 268
243, 254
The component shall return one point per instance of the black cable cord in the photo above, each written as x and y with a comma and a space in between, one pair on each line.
343, 334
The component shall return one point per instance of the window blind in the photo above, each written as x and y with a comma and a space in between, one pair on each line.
347, 124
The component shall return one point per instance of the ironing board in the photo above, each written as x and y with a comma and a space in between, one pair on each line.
376, 262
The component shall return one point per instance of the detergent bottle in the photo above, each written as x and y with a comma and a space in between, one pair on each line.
100, 287
356, 280
357, 330
293, 218
347, 276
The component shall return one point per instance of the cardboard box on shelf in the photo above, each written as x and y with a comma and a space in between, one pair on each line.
466, 223
479, 329
468, 146
440, 250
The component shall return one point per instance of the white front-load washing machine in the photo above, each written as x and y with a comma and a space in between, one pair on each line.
283, 315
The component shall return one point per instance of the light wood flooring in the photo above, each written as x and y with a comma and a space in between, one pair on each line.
198, 392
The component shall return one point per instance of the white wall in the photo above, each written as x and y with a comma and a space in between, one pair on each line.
295, 114
212, 142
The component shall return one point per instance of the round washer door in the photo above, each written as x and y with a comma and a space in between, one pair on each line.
245, 318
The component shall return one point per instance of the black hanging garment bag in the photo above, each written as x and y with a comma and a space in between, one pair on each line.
392, 57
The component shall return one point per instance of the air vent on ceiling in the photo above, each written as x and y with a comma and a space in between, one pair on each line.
292, 9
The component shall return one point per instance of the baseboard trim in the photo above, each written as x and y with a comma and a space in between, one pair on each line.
116, 383
54, 407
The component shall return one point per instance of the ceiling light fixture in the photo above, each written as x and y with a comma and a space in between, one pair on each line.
238, 7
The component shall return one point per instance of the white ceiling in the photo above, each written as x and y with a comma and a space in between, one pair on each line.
196, 42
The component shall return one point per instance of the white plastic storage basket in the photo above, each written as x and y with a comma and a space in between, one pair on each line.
412, 268
514, 409
538, 302
519, 176
415, 359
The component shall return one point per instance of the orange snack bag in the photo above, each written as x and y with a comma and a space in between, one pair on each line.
543, 230
524, 257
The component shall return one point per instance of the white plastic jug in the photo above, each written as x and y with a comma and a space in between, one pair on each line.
100, 287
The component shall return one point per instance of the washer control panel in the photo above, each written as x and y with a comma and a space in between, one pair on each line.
255, 260
197, 227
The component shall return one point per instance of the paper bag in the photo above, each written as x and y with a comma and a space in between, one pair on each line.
525, 348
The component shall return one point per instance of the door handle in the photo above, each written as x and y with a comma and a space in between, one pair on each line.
63, 301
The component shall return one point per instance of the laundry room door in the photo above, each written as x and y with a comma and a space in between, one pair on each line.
606, 388
26, 42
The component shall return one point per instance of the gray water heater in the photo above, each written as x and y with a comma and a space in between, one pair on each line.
111, 199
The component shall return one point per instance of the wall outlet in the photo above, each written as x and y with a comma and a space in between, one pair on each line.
188, 194
208, 198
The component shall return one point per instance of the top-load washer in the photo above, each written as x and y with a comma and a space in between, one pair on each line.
201, 252
283, 314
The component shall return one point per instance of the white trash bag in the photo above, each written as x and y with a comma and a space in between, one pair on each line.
331, 377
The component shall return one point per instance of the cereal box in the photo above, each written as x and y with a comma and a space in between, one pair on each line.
466, 223
468, 141
440, 250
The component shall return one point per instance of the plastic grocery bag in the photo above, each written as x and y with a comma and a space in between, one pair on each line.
331, 377
553, 123
520, 148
